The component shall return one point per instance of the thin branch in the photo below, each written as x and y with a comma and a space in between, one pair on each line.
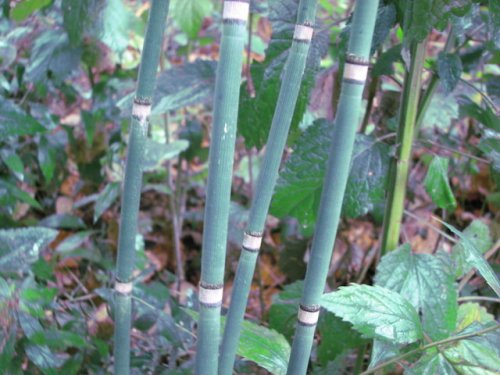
448, 340
425, 222
478, 298
466, 154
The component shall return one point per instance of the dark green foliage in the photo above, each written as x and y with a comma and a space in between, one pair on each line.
449, 69
299, 187
255, 116
15, 122
437, 184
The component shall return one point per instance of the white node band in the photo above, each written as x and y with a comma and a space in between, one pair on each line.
210, 296
355, 72
308, 317
141, 111
123, 288
303, 33
235, 10
252, 242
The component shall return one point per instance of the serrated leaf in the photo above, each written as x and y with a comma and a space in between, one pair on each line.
375, 312
473, 257
449, 67
469, 313
15, 122
433, 364
116, 24
52, 53
106, 198
437, 184
156, 153
259, 344
479, 234
19, 248
189, 14
382, 351
24, 8
256, 113
426, 283
298, 189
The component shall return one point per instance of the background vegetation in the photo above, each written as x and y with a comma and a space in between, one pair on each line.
67, 75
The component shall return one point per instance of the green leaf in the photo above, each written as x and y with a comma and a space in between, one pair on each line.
52, 53
442, 110
24, 8
106, 198
491, 149
12, 191
62, 221
46, 158
283, 311
259, 344
13, 161
298, 190
15, 122
116, 23
19, 248
384, 64
8, 55
437, 184
433, 363
44, 359
479, 234
58, 339
39, 295
485, 116
156, 153
256, 113
424, 281
189, 14
473, 257
449, 67
375, 312
469, 313
77, 16
382, 351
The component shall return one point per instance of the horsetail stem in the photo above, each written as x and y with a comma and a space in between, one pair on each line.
347, 119
132, 183
226, 97
287, 99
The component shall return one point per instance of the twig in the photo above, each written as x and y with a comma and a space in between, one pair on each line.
466, 154
429, 346
423, 221
479, 298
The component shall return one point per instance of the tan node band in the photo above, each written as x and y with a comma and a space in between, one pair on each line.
210, 296
235, 10
303, 33
123, 288
355, 72
308, 317
252, 242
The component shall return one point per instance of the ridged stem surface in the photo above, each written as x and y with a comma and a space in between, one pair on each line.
287, 99
131, 193
220, 168
346, 122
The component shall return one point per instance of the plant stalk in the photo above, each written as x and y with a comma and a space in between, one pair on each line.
282, 118
398, 175
220, 168
131, 194
332, 195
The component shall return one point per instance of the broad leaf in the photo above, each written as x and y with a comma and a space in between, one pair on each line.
24, 8
375, 312
156, 153
46, 158
106, 198
298, 190
485, 116
433, 363
77, 17
283, 311
44, 359
474, 257
437, 184
259, 344
52, 53
449, 67
15, 122
479, 234
382, 351
424, 281
189, 14
256, 113
116, 23
384, 64
469, 313
19, 248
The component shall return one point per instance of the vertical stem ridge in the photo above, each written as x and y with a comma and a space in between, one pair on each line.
131, 194
398, 175
287, 99
226, 97
347, 119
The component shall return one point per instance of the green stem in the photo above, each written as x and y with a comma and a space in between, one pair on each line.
344, 130
398, 175
360, 360
478, 298
287, 99
448, 340
132, 183
220, 167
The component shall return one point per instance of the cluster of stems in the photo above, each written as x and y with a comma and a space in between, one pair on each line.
133, 182
346, 123
220, 167
287, 99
